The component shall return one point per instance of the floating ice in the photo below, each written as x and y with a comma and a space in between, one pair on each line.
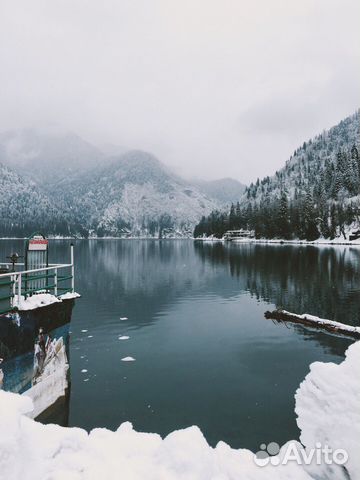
128, 359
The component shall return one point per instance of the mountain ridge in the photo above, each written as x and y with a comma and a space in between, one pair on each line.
131, 194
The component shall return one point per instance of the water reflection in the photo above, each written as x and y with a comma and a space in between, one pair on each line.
323, 281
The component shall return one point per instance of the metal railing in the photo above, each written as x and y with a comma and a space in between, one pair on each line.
25, 283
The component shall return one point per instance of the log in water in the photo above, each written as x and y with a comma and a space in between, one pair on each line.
314, 322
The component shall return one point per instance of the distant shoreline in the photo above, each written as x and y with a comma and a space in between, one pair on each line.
278, 241
274, 241
103, 238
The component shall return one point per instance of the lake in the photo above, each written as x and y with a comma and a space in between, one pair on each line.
204, 353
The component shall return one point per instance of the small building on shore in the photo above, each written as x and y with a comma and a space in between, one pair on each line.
238, 234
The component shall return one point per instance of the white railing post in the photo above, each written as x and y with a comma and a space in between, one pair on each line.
19, 291
13, 279
55, 282
72, 267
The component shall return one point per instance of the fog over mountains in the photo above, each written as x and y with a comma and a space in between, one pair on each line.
55, 181
47, 154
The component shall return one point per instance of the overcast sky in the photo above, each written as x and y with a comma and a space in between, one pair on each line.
213, 88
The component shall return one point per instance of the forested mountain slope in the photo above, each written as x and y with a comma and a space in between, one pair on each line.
317, 192
24, 209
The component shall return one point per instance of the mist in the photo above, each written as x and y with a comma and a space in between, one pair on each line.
214, 89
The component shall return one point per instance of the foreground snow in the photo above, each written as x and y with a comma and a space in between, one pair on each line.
327, 405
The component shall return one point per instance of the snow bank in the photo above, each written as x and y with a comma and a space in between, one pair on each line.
328, 407
327, 404
41, 300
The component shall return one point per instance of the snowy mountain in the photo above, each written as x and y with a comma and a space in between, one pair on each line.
320, 163
24, 209
133, 195
317, 192
60, 184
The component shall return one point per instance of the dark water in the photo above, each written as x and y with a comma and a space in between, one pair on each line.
204, 353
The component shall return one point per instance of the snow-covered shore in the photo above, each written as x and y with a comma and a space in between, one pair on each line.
279, 241
327, 405
143, 237
319, 241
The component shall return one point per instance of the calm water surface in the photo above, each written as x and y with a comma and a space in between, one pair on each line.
204, 353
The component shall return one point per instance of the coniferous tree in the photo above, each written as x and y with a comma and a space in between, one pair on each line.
232, 217
284, 230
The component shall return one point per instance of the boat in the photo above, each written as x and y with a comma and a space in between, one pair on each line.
36, 303
232, 235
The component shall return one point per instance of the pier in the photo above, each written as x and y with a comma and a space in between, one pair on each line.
19, 285
36, 302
